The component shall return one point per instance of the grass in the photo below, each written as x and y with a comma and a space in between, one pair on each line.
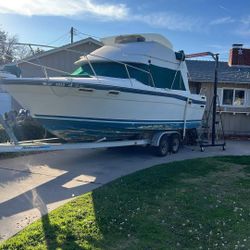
193, 204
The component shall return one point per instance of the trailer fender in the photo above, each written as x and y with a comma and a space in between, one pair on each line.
155, 142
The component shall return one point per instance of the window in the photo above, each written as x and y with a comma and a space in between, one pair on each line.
239, 97
233, 97
227, 97
163, 77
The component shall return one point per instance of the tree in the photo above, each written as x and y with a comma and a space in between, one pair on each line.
11, 52
7, 47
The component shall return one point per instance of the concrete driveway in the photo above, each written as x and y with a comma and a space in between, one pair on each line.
33, 185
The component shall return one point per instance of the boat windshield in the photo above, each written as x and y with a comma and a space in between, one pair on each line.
162, 77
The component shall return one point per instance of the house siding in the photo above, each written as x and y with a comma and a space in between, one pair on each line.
61, 60
236, 120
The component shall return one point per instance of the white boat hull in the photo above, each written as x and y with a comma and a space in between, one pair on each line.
90, 109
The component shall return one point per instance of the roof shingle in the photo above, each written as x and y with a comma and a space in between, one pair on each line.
203, 71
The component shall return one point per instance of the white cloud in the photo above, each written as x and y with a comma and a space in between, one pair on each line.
244, 27
246, 20
222, 20
243, 32
170, 21
63, 8
81, 9
224, 9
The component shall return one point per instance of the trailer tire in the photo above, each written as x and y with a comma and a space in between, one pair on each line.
174, 143
163, 148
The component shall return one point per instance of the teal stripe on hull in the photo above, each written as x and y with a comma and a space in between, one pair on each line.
72, 129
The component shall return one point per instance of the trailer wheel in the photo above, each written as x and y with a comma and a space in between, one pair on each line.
174, 143
163, 148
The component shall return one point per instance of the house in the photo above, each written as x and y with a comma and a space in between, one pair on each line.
233, 92
61, 58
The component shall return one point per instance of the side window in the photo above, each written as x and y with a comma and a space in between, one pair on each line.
178, 83
140, 72
239, 97
167, 78
248, 98
220, 95
227, 97
234, 97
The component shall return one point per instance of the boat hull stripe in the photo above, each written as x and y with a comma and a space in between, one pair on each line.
75, 118
82, 129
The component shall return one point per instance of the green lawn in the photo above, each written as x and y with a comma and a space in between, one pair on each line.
193, 204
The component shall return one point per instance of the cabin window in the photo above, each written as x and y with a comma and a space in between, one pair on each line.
161, 77
102, 69
233, 97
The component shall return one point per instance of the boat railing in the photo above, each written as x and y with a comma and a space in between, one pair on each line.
43, 67
46, 68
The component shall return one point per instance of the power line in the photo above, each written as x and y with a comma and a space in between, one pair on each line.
85, 34
59, 38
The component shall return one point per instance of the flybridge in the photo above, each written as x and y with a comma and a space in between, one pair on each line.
137, 38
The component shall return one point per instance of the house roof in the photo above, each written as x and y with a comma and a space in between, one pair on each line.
203, 71
65, 47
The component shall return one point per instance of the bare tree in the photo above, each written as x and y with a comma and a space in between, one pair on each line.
7, 47
11, 52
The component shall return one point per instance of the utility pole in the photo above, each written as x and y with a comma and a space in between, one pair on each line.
72, 35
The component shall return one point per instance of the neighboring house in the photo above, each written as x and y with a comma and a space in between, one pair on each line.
61, 58
233, 92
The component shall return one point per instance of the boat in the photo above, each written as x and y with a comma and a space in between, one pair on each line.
132, 87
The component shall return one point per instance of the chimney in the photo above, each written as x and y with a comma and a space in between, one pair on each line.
239, 56
237, 46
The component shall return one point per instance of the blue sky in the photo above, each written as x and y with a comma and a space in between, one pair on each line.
191, 25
